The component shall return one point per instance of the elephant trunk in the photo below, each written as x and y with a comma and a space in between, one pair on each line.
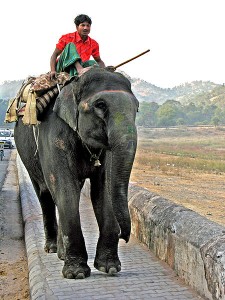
123, 141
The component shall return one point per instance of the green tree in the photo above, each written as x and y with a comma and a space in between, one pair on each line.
147, 114
220, 114
169, 112
215, 121
3, 108
180, 121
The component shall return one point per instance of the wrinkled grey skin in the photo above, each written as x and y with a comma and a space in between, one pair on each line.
96, 111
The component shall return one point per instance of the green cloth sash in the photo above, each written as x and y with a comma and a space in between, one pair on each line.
67, 59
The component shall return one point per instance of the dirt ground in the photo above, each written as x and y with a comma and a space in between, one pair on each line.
13, 260
13, 272
203, 192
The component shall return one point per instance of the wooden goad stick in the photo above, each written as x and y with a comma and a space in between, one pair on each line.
125, 62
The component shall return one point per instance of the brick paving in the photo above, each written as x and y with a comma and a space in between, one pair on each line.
142, 276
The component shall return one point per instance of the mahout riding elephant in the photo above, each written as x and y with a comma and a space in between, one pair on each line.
87, 132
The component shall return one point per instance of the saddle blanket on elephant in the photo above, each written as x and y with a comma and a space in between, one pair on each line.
36, 93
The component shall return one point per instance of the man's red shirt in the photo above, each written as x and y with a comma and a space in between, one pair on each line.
85, 49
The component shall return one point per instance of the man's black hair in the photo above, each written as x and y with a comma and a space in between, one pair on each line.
81, 19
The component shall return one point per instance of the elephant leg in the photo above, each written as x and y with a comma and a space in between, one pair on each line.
71, 241
60, 247
106, 259
49, 218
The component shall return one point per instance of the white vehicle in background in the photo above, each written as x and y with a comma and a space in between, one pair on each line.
7, 136
11, 137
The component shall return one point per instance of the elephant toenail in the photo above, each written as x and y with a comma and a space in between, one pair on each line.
102, 269
112, 271
69, 276
80, 276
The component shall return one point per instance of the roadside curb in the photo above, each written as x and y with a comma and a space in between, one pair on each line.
32, 217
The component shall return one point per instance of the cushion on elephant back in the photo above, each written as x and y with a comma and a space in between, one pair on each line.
44, 83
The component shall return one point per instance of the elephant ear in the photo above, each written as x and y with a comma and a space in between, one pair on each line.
65, 106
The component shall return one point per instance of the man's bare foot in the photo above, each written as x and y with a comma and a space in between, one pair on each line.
84, 70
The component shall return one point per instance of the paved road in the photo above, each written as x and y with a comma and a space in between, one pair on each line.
3, 166
142, 277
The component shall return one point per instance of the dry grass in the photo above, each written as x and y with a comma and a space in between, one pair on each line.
184, 165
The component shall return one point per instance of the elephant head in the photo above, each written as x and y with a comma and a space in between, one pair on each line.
101, 108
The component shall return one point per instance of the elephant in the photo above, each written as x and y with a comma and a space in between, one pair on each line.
87, 131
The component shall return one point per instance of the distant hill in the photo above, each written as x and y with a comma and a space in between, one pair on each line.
215, 96
184, 93
8, 89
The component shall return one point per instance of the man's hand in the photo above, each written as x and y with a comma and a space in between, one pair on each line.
111, 69
53, 75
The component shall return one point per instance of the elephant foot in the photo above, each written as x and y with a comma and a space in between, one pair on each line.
76, 271
60, 251
50, 246
109, 266
106, 258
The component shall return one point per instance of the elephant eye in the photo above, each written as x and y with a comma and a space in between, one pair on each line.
101, 105
101, 108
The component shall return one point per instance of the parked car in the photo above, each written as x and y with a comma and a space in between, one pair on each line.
6, 136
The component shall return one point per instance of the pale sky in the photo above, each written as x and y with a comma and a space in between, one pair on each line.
185, 37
